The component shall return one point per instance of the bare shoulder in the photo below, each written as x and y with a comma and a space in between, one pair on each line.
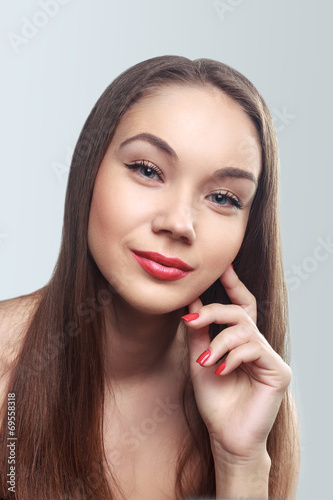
14, 317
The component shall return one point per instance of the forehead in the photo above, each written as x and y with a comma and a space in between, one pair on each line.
202, 121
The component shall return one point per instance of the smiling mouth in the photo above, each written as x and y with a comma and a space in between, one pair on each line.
160, 266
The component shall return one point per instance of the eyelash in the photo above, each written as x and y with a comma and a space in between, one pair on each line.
146, 164
235, 201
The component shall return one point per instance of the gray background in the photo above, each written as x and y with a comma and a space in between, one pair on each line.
51, 81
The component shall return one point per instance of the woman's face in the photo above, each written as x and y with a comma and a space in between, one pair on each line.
176, 182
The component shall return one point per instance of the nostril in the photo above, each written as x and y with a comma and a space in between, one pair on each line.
175, 221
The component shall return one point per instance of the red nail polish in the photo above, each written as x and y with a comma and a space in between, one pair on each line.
204, 356
190, 317
232, 265
220, 368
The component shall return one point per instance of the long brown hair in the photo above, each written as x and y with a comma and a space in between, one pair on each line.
58, 375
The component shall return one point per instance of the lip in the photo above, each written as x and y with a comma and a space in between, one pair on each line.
160, 266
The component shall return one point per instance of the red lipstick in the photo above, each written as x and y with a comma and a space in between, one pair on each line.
160, 266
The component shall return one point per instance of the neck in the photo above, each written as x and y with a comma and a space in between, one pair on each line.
140, 345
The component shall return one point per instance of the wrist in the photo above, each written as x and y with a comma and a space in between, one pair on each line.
243, 481
241, 476
239, 459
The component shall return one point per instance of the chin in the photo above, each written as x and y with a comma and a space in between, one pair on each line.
153, 306
152, 301
155, 297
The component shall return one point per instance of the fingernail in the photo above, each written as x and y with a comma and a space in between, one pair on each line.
220, 368
204, 356
232, 265
190, 317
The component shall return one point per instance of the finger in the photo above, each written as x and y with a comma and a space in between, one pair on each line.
195, 305
198, 338
238, 293
267, 364
230, 339
222, 314
242, 354
198, 327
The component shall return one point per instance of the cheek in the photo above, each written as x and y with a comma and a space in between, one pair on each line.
104, 230
219, 252
118, 206
107, 212
115, 214
102, 224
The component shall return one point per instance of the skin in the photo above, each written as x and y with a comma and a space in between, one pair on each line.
177, 213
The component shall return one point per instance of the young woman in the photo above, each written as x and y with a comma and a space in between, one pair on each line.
153, 365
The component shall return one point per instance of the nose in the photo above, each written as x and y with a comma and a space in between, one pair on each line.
175, 219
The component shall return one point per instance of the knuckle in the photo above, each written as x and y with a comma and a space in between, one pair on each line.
245, 331
251, 311
257, 344
230, 344
210, 309
240, 311
228, 341
289, 373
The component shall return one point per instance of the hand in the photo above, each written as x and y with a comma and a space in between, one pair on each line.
238, 406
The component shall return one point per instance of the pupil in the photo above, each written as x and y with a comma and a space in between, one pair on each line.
149, 171
220, 198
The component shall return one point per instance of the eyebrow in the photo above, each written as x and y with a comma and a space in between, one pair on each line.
159, 143
235, 172
154, 141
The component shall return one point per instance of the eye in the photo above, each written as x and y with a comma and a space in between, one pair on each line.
146, 169
225, 199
